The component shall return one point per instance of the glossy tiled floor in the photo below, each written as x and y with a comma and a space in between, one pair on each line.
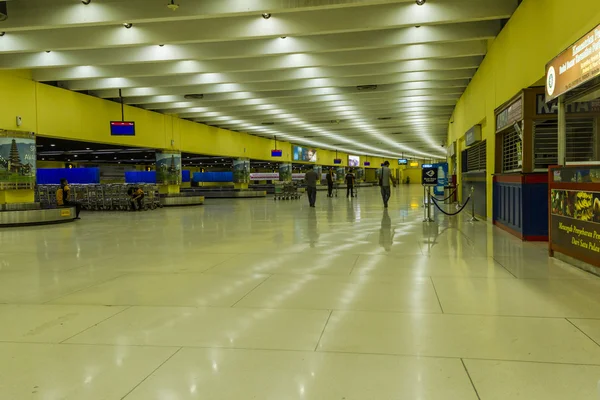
256, 299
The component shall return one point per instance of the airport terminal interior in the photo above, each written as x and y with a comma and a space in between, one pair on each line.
299, 199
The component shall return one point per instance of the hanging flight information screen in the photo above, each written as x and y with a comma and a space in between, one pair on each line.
122, 128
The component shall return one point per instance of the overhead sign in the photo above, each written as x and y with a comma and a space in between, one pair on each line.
402, 161
473, 135
510, 115
122, 128
337, 161
429, 175
575, 66
276, 153
551, 108
367, 163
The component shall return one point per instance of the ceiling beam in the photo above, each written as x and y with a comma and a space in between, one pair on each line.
244, 28
45, 14
149, 55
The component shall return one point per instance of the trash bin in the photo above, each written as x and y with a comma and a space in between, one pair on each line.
449, 194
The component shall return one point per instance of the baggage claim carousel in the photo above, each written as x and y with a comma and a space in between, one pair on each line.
31, 214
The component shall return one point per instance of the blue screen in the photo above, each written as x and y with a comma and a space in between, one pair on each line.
118, 128
276, 153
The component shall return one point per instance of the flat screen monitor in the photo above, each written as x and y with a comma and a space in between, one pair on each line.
367, 163
122, 128
403, 161
337, 161
276, 153
353, 161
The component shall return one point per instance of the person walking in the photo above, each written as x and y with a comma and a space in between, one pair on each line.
330, 180
310, 178
350, 178
385, 178
63, 195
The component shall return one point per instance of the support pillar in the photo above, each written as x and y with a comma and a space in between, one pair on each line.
562, 131
168, 171
241, 173
17, 167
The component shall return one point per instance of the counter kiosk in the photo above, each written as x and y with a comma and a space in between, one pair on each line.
573, 86
526, 146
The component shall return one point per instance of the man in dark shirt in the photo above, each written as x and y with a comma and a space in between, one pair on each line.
350, 178
310, 178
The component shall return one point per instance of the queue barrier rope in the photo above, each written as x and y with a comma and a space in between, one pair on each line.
447, 213
453, 193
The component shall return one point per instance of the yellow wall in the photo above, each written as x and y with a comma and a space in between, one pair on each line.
538, 31
53, 112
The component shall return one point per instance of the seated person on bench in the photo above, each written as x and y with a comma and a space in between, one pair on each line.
137, 198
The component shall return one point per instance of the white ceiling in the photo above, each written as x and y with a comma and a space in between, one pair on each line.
303, 87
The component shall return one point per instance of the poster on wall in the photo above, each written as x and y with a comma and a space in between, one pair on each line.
353, 161
304, 154
17, 160
575, 223
241, 171
168, 168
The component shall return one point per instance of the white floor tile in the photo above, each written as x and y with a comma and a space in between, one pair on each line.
49, 323
501, 338
268, 375
68, 372
167, 290
500, 380
210, 327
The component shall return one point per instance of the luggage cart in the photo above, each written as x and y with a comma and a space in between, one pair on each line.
286, 191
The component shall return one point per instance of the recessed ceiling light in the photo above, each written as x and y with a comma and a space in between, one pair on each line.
2, 34
420, 2
127, 25
161, 45
86, 2
266, 15
284, 37
48, 51
52, 145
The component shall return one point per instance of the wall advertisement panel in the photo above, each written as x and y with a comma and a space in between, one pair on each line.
17, 160
305, 154
168, 168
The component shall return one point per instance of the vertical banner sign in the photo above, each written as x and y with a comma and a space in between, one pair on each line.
340, 174
168, 168
360, 174
241, 170
285, 172
17, 160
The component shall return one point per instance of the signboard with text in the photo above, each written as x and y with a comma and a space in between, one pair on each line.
429, 175
575, 222
510, 115
551, 108
575, 66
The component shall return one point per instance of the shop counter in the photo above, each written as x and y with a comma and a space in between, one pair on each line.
521, 205
574, 213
